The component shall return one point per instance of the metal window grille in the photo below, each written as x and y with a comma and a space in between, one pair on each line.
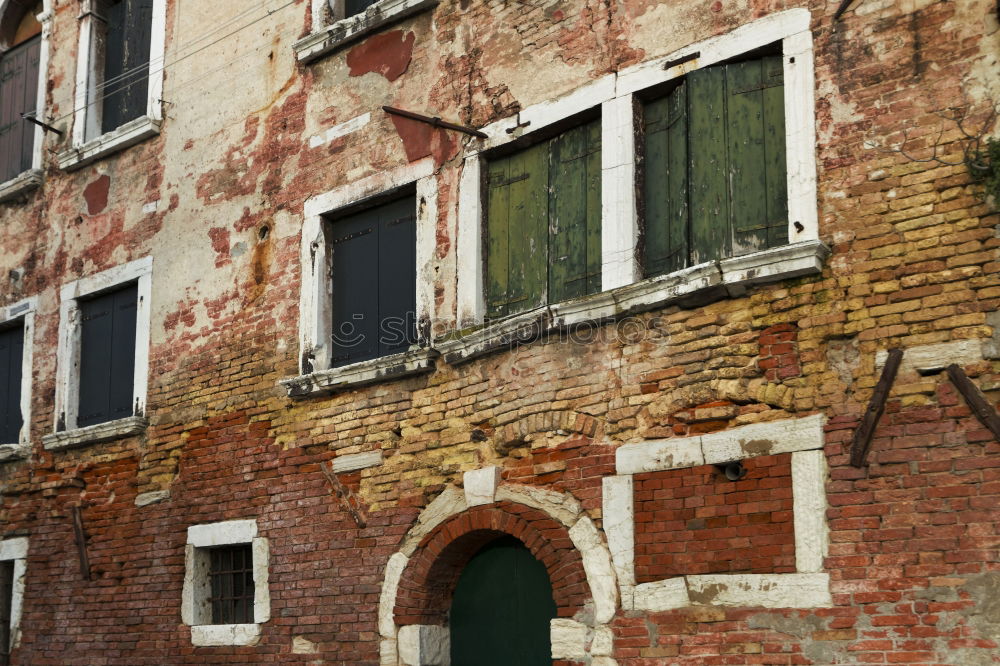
231, 576
6, 601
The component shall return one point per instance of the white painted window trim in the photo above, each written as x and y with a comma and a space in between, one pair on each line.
16, 549
315, 299
33, 177
614, 94
808, 587
195, 609
330, 29
67, 398
89, 143
25, 312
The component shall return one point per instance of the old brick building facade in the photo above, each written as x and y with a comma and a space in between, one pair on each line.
680, 235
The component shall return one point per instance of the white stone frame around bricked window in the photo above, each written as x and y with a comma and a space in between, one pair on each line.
67, 399
32, 178
315, 318
15, 550
23, 311
808, 587
331, 29
196, 610
89, 143
623, 289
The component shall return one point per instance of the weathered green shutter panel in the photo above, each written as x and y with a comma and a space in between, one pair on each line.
126, 62
18, 94
354, 259
11, 353
517, 232
501, 609
575, 213
115, 78
397, 287
708, 160
666, 210
756, 154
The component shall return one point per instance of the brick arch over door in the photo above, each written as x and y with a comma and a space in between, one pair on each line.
427, 583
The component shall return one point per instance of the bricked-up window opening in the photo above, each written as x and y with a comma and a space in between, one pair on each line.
231, 578
6, 604
124, 28
715, 176
107, 356
11, 355
543, 240
19, 94
374, 267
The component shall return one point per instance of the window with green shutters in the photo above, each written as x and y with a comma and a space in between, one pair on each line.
543, 211
714, 166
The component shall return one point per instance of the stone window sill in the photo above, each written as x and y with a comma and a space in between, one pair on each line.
329, 39
395, 366
102, 432
792, 590
10, 452
208, 635
125, 136
689, 287
20, 185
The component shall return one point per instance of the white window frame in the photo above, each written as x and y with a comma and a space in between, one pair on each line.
808, 587
196, 611
316, 297
32, 178
330, 29
67, 399
615, 95
23, 311
89, 144
16, 549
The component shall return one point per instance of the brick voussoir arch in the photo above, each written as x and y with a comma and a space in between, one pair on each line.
427, 583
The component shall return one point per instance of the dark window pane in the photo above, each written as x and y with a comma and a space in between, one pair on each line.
231, 578
6, 601
11, 353
107, 356
357, 6
126, 62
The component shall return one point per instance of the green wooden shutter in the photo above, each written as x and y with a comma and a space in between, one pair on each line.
517, 232
707, 154
575, 213
666, 211
756, 171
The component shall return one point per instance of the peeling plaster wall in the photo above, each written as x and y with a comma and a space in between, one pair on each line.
217, 200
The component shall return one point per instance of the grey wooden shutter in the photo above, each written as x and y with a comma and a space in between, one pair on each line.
18, 94
107, 356
11, 353
355, 274
397, 279
126, 62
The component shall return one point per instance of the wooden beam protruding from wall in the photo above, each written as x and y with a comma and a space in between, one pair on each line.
863, 435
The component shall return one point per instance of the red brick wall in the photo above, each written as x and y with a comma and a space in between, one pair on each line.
695, 521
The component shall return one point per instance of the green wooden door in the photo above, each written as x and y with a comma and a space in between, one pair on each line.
501, 609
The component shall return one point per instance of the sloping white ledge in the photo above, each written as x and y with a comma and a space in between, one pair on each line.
127, 135
209, 635
386, 368
810, 590
102, 432
13, 451
689, 287
21, 185
320, 43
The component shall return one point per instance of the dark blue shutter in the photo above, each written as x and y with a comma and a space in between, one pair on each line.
11, 353
126, 62
397, 286
107, 356
18, 94
373, 254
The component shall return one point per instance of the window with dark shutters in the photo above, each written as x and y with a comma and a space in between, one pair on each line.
373, 268
127, 39
543, 231
11, 353
18, 94
715, 177
352, 7
107, 356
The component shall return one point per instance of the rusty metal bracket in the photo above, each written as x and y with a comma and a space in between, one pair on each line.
81, 542
844, 5
346, 496
863, 435
977, 401
435, 121
45, 126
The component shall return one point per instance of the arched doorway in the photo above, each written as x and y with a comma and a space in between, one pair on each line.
501, 608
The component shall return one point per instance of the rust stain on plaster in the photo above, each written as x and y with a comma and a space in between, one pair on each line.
757, 447
388, 54
422, 139
706, 595
96, 194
